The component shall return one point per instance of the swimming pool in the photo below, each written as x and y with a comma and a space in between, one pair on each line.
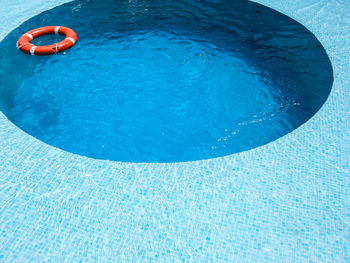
163, 82
285, 200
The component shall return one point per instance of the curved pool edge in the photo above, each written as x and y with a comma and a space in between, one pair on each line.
299, 184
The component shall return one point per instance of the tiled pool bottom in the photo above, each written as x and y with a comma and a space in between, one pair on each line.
286, 201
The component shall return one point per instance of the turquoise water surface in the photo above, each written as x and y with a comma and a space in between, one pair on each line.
285, 201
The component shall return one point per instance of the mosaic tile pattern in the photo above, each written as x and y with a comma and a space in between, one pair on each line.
288, 201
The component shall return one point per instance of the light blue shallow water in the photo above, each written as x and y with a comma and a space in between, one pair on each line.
287, 201
165, 82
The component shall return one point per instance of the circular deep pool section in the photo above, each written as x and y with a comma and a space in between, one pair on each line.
165, 81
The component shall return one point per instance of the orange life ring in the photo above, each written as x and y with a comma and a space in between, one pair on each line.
25, 46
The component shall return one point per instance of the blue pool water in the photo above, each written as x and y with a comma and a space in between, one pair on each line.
165, 81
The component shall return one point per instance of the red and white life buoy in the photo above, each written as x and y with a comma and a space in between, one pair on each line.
25, 46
